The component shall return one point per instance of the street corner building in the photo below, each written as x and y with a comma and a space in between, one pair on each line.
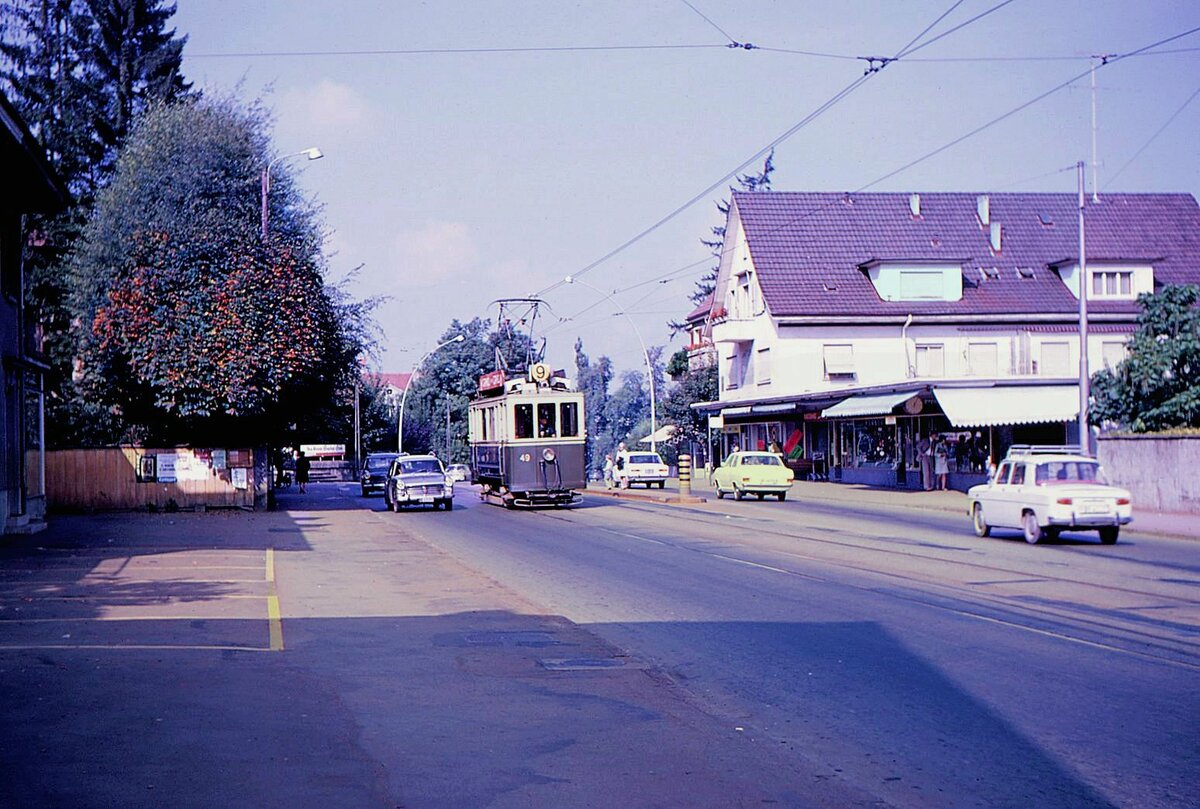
865, 334
30, 187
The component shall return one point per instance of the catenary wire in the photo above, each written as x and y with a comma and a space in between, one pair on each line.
706, 18
454, 51
1153, 137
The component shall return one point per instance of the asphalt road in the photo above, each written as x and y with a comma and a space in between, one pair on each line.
892, 649
615, 654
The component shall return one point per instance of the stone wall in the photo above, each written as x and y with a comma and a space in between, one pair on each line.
1162, 472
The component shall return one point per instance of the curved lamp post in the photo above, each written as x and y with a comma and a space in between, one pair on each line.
404, 397
312, 153
645, 354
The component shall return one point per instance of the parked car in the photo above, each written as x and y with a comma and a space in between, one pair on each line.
757, 473
640, 467
459, 471
416, 480
1043, 490
375, 471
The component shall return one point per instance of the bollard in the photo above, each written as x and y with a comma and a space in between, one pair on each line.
685, 475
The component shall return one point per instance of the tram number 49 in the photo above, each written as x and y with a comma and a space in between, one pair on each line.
524, 457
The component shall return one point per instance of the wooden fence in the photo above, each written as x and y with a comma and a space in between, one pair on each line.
142, 478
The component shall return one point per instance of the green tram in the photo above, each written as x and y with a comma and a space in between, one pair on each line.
527, 439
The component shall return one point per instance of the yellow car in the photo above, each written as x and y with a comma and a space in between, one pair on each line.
757, 473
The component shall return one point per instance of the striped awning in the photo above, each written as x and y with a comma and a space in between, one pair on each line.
992, 407
872, 405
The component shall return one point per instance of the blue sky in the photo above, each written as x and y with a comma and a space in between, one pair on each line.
454, 178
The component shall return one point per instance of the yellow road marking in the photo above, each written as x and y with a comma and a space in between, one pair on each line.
275, 622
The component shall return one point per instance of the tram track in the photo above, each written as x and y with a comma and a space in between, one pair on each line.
1120, 629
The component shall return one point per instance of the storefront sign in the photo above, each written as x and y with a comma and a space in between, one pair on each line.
889, 420
318, 450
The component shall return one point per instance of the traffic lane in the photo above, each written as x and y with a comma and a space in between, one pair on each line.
863, 679
448, 675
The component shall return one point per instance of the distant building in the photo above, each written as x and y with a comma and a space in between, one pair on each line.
29, 187
394, 385
700, 350
852, 328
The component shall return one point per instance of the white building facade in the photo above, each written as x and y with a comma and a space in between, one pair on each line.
854, 330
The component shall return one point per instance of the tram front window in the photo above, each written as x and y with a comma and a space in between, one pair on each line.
568, 421
546, 428
523, 421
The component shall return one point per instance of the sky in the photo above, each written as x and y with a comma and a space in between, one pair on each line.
478, 149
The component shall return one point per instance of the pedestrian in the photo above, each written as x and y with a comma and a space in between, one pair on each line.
941, 464
608, 471
925, 458
619, 479
961, 451
302, 467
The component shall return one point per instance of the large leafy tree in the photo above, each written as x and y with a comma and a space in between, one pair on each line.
194, 327
1157, 386
79, 71
691, 386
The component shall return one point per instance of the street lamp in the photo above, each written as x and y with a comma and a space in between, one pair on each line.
458, 338
645, 354
312, 154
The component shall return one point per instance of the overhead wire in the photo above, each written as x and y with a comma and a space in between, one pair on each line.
1145, 50
454, 51
1153, 137
706, 18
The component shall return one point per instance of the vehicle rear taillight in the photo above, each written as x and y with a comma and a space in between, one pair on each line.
1123, 501
1064, 501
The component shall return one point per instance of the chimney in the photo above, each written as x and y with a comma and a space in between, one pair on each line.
914, 205
983, 209
995, 233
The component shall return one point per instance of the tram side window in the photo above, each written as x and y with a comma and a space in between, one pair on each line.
523, 421
568, 421
546, 426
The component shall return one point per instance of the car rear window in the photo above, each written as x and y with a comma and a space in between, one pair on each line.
761, 460
645, 459
1055, 472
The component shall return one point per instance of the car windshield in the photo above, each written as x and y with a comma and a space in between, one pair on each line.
645, 458
761, 460
429, 465
379, 463
1056, 472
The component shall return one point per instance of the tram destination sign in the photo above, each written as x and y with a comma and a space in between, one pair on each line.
491, 380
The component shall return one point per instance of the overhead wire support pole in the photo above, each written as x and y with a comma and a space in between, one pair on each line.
1103, 57
1084, 392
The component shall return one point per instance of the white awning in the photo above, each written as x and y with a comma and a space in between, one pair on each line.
659, 436
991, 407
876, 405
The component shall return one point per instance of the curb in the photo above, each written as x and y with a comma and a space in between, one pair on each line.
666, 497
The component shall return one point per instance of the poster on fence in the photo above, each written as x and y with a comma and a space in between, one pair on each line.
166, 467
237, 476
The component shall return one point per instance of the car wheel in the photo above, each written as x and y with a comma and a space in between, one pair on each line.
982, 529
1029, 526
448, 505
662, 484
782, 496
395, 505
761, 495
364, 491
1109, 534
720, 494
738, 494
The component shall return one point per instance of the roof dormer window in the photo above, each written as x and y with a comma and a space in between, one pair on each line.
914, 281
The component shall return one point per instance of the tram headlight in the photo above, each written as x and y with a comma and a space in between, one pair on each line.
548, 455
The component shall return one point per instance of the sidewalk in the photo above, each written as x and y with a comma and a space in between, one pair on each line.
1186, 526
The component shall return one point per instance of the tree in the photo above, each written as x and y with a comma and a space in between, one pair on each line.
593, 381
194, 328
79, 71
692, 386
1157, 386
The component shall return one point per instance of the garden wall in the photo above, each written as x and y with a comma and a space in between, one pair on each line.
1161, 471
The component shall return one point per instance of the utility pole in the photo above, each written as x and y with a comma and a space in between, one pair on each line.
1103, 57
448, 459
1084, 393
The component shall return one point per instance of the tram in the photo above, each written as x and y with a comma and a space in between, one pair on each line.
527, 438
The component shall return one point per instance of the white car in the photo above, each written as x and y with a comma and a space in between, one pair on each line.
459, 472
1043, 490
640, 467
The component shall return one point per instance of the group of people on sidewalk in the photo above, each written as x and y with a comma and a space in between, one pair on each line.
611, 467
934, 456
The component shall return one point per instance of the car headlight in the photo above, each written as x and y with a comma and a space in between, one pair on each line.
548, 455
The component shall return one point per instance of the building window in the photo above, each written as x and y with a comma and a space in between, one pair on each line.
839, 362
1112, 284
931, 361
762, 366
981, 359
1113, 353
1055, 359
918, 285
